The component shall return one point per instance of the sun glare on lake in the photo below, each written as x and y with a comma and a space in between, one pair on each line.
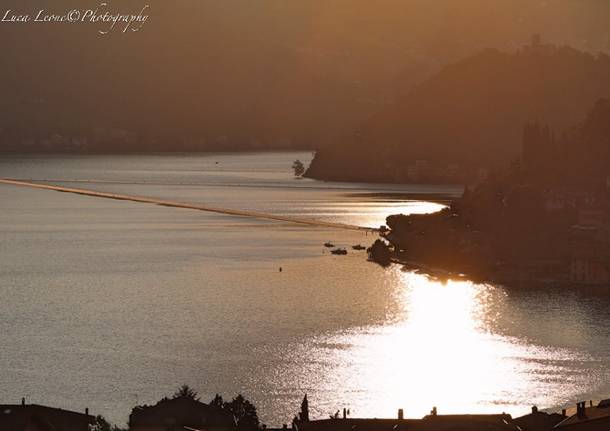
440, 350
374, 214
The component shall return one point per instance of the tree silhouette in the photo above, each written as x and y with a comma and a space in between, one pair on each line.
244, 412
187, 392
101, 424
217, 401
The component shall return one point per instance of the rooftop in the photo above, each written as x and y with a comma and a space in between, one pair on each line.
599, 413
16, 417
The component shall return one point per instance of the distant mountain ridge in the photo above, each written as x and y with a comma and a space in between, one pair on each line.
470, 115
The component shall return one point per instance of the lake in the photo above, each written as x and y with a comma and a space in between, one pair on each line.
107, 304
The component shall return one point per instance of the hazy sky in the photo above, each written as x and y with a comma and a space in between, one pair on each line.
265, 68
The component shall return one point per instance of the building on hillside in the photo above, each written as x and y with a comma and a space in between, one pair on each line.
590, 260
176, 414
34, 417
589, 271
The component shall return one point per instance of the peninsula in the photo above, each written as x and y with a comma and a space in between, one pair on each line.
545, 218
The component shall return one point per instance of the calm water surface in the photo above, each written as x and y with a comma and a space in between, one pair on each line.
105, 304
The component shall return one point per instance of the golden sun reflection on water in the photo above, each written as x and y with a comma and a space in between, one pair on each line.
418, 207
440, 350
373, 214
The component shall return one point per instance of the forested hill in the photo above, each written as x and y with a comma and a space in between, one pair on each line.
471, 114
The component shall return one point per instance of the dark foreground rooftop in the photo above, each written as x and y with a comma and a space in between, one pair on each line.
500, 422
34, 417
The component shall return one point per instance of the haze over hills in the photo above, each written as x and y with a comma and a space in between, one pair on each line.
236, 73
470, 115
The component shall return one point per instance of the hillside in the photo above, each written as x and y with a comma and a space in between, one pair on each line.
237, 73
469, 116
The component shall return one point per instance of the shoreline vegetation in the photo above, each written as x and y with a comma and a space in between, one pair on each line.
544, 219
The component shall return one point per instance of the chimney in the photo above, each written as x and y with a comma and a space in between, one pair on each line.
23, 401
534, 409
590, 403
580, 409
344, 413
433, 412
87, 411
563, 413
401, 414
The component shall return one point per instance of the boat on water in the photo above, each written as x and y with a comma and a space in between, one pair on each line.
340, 251
358, 247
329, 244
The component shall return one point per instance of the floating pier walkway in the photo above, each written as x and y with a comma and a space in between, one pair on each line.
174, 204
